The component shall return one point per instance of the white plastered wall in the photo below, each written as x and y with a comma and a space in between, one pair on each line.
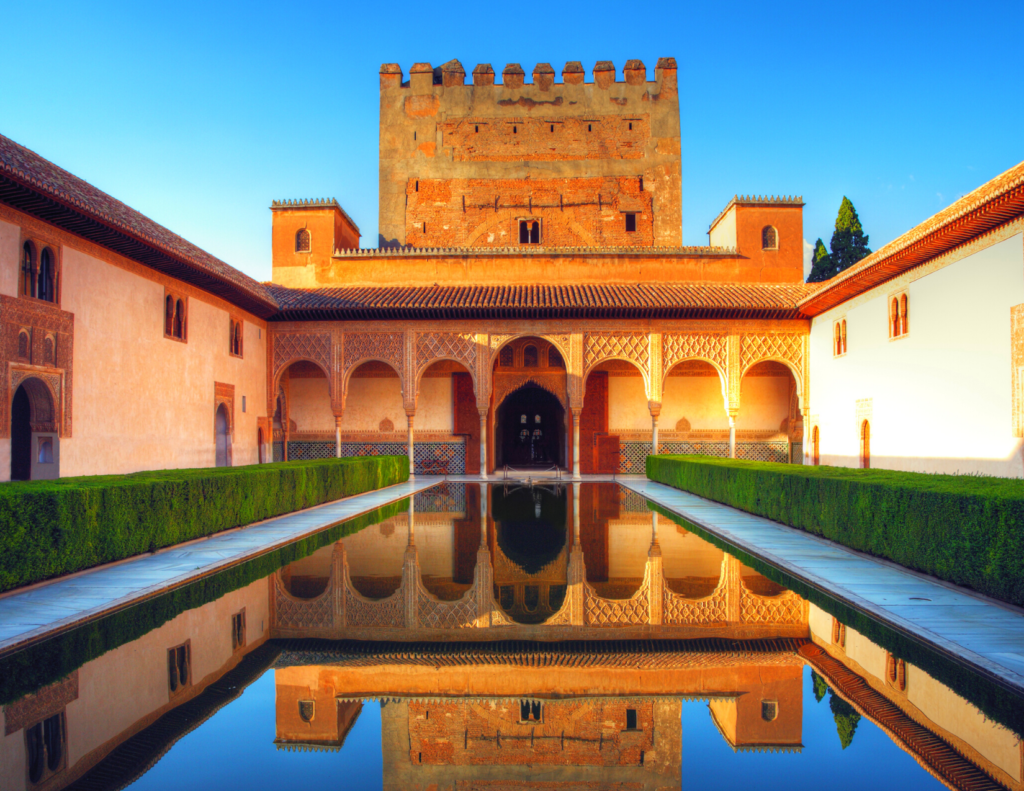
141, 401
941, 396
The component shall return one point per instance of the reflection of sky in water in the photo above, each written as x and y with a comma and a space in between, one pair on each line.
871, 761
235, 749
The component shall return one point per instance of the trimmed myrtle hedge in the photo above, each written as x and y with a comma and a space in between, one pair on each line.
44, 663
968, 530
57, 527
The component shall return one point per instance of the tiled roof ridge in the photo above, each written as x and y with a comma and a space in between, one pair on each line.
186, 251
758, 200
314, 203
409, 250
992, 190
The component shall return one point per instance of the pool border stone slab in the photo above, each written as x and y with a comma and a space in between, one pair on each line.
974, 630
41, 611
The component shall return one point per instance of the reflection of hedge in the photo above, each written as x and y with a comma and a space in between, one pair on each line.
49, 528
44, 663
994, 700
965, 529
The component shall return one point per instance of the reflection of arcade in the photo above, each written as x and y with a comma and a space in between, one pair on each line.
508, 712
528, 547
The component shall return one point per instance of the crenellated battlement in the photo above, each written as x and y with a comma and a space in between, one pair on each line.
513, 77
307, 203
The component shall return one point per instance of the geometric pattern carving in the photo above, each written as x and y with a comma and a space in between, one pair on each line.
389, 612
634, 611
786, 608
681, 611
787, 346
291, 346
507, 383
436, 614
429, 458
388, 347
705, 346
632, 346
292, 613
459, 346
43, 406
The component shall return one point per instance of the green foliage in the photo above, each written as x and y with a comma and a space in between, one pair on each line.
818, 686
58, 527
43, 663
846, 719
821, 264
849, 245
968, 530
849, 242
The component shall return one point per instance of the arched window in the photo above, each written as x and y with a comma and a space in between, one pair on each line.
865, 445
842, 337
815, 447
894, 318
506, 359
302, 241
837, 346
49, 352
769, 238
27, 283
47, 286
307, 710
179, 319
769, 710
555, 358
529, 232
530, 357
23, 345
838, 633
169, 316
904, 320
237, 339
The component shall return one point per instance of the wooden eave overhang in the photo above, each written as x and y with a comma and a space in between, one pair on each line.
634, 301
1000, 201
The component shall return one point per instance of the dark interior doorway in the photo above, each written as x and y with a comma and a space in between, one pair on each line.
531, 429
21, 436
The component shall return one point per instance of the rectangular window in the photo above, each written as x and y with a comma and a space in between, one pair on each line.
630, 222
630, 719
238, 630
243, 403
175, 316
179, 668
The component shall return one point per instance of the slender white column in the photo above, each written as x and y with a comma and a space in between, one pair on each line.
576, 444
732, 436
654, 435
337, 436
483, 443
412, 458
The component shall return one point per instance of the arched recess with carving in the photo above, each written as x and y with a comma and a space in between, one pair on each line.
695, 392
374, 403
373, 347
34, 428
455, 347
787, 348
769, 420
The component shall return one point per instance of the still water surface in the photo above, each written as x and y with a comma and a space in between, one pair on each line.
499, 638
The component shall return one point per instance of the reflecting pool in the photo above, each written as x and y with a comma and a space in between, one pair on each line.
502, 637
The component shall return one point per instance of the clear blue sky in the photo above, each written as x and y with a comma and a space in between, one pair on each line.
199, 114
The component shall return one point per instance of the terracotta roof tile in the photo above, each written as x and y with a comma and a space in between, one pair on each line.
990, 205
676, 300
70, 202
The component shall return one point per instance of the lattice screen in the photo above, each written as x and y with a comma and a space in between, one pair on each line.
445, 498
633, 455
631, 503
431, 458
308, 451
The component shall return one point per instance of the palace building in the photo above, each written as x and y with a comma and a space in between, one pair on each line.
529, 304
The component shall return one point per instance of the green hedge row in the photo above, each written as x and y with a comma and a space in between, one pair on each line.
57, 527
965, 529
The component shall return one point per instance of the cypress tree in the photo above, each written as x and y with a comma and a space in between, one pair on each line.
821, 264
846, 718
849, 242
818, 685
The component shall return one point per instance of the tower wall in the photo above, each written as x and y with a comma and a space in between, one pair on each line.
461, 165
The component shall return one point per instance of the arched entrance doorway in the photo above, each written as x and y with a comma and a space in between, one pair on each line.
35, 444
222, 428
530, 429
